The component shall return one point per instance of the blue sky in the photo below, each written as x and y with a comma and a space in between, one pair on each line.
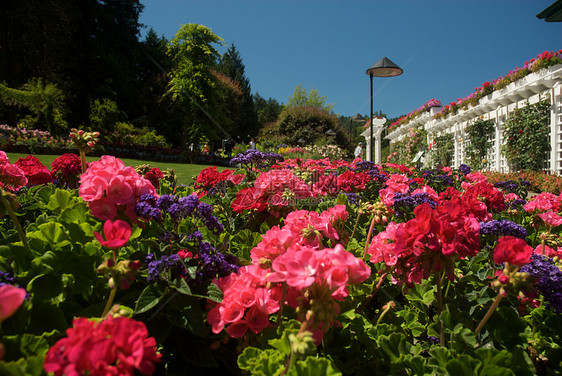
446, 47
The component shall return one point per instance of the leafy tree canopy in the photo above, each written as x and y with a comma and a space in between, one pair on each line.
301, 98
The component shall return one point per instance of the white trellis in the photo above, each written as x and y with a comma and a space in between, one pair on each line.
497, 106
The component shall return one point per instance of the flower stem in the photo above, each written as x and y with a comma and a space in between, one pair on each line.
372, 295
83, 159
369, 236
387, 308
109, 301
489, 313
355, 226
440, 308
17, 224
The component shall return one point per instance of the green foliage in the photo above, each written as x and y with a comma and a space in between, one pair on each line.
479, 134
308, 123
231, 65
104, 115
527, 136
301, 98
191, 85
267, 110
45, 101
442, 150
404, 150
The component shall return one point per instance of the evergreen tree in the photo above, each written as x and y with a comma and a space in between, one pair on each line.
267, 110
231, 65
192, 82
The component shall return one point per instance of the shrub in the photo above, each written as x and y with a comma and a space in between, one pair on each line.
307, 123
104, 115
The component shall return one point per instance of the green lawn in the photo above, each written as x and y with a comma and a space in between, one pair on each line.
184, 171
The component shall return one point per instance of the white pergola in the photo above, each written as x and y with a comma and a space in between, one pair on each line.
378, 126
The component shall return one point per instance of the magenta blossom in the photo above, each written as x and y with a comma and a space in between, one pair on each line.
117, 234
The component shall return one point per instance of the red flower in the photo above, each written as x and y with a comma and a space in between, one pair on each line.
154, 175
512, 250
116, 233
119, 346
67, 169
35, 171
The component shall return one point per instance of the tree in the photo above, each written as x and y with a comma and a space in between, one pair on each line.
307, 123
87, 48
231, 65
301, 98
267, 110
192, 82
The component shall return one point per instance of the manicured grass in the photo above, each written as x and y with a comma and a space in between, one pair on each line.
185, 172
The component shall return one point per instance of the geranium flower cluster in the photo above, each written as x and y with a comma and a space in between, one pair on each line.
430, 242
67, 170
35, 171
291, 258
12, 177
113, 346
112, 190
154, 175
209, 179
272, 191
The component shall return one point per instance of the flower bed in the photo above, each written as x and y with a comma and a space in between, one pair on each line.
276, 267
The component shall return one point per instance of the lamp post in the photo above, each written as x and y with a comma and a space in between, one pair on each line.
356, 117
382, 68
330, 133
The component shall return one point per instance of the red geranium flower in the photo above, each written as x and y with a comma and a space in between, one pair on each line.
35, 171
512, 250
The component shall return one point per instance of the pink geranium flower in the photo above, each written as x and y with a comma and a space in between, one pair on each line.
4, 157
11, 298
551, 219
116, 233
114, 346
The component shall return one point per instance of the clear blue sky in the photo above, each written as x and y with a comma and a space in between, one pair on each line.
446, 47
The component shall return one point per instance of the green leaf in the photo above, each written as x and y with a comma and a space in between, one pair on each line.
214, 293
75, 213
31, 366
24, 345
423, 292
463, 365
45, 286
261, 362
314, 367
59, 201
187, 314
440, 356
44, 193
180, 285
493, 370
52, 233
395, 344
149, 298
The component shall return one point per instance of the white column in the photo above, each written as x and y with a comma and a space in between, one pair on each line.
378, 124
554, 132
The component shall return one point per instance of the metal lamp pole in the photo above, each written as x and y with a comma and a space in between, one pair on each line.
382, 68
